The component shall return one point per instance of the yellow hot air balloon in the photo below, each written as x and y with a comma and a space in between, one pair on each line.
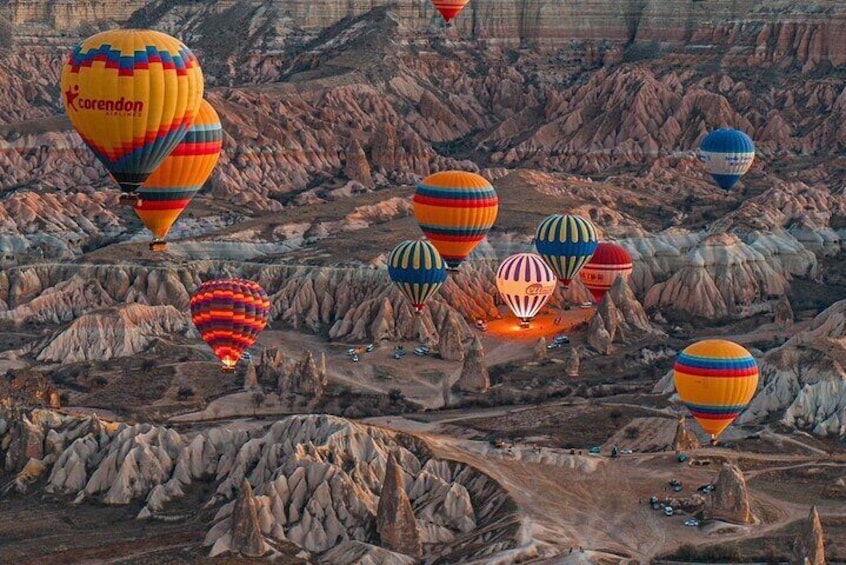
715, 379
170, 189
455, 210
132, 95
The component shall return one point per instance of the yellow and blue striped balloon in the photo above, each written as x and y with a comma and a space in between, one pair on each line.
416, 268
715, 379
566, 244
728, 155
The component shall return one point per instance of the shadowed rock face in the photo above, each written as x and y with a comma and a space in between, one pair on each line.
684, 440
809, 546
395, 519
730, 499
474, 374
246, 531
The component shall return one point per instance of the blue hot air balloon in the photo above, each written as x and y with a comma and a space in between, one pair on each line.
566, 244
728, 155
417, 269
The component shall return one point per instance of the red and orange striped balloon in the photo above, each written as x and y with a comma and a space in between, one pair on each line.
229, 314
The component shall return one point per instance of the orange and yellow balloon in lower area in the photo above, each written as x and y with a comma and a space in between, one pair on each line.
230, 314
132, 95
167, 192
715, 379
449, 9
455, 210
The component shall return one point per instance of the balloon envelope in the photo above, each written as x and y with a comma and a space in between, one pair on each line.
171, 187
449, 9
728, 155
608, 262
455, 210
525, 283
131, 95
715, 379
230, 314
416, 268
566, 244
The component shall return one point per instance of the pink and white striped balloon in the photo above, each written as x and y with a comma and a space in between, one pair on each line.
525, 283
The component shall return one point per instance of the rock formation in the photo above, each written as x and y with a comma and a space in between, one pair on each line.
804, 380
474, 374
571, 369
539, 352
730, 500
271, 368
684, 440
247, 538
395, 519
809, 546
251, 378
450, 346
304, 380
603, 326
783, 313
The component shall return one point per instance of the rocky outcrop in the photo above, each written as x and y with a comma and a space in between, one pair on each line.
685, 439
251, 382
395, 519
804, 380
783, 313
603, 326
451, 347
809, 546
571, 368
246, 536
118, 333
305, 379
539, 351
619, 318
316, 480
474, 374
730, 500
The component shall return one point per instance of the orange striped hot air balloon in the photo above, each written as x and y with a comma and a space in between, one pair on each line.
170, 189
455, 210
449, 9
229, 314
131, 95
715, 379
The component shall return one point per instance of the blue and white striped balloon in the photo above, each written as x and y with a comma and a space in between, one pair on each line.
727, 155
525, 283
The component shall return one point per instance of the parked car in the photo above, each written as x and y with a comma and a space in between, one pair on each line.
553, 346
370, 347
561, 339
420, 352
595, 450
692, 522
626, 451
355, 358
682, 458
668, 511
705, 489
246, 356
399, 353
586, 305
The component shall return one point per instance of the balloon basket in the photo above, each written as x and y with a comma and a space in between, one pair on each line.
128, 199
158, 246
228, 369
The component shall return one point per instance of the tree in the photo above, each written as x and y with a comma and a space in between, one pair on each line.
395, 396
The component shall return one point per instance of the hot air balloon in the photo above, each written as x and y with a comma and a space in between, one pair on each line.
131, 95
169, 190
715, 379
449, 9
609, 261
566, 244
229, 314
455, 210
728, 155
525, 283
416, 268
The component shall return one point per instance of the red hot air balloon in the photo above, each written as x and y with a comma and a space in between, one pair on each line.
609, 261
229, 314
449, 9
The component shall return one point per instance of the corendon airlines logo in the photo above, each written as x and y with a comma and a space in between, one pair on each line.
119, 107
536, 289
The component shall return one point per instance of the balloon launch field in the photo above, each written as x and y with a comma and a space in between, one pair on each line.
546, 326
